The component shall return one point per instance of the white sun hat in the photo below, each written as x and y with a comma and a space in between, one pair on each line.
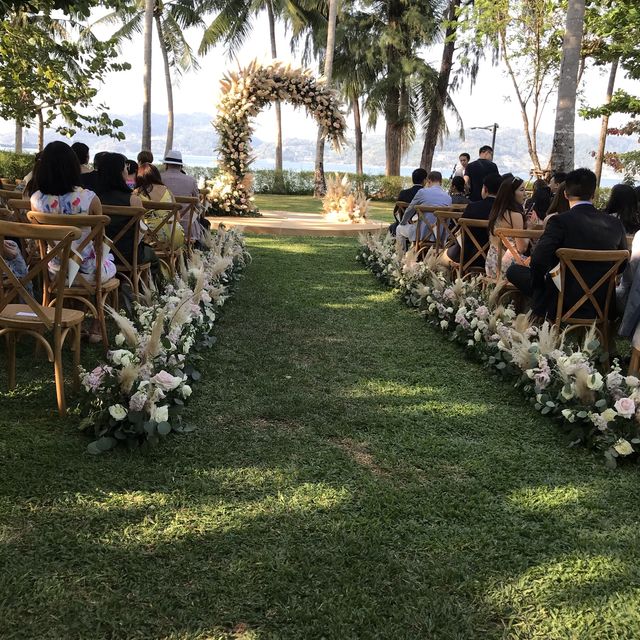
173, 157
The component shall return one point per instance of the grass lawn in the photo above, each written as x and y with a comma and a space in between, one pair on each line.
352, 476
308, 204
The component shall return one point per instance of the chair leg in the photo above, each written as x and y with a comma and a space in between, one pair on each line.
634, 365
59, 374
76, 357
11, 359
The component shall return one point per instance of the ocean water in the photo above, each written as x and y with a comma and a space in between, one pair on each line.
211, 161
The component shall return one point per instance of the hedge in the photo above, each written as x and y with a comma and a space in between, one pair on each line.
15, 166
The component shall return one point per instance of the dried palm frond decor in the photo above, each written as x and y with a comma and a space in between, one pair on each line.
342, 203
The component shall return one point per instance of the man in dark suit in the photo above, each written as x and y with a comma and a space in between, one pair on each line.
479, 210
419, 177
475, 172
582, 227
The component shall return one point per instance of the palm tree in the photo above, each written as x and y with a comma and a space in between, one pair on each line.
233, 25
320, 186
442, 98
562, 152
171, 18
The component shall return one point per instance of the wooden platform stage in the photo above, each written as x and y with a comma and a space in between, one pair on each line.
286, 223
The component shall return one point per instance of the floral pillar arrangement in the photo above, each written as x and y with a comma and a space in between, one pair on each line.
244, 94
342, 203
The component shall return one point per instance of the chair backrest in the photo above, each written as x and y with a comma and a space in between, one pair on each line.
55, 242
189, 204
7, 215
95, 225
630, 237
605, 284
20, 206
507, 243
167, 224
399, 208
467, 258
133, 216
448, 228
458, 207
203, 195
9, 194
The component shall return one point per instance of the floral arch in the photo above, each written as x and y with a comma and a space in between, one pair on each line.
244, 94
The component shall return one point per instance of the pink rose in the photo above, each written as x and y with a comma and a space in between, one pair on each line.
482, 312
166, 381
625, 407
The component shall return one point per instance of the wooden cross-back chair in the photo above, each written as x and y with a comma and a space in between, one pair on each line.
92, 294
130, 269
398, 209
20, 207
508, 239
9, 194
203, 196
448, 227
166, 250
569, 261
466, 266
30, 317
423, 244
189, 204
630, 237
458, 207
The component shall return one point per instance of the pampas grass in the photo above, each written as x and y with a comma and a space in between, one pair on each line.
126, 327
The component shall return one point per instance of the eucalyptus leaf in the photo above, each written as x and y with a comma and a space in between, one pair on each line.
164, 428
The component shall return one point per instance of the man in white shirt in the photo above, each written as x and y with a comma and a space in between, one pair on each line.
433, 195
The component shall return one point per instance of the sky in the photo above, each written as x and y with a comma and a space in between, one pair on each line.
487, 102
490, 99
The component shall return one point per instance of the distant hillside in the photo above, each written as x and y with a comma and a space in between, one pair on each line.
194, 136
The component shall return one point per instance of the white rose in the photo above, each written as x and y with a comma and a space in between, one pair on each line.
595, 381
118, 355
186, 391
444, 324
477, 336
632, 381
568, 415
117, 412
608, 415
119, 339
161, 414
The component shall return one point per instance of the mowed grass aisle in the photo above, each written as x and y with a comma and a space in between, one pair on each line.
353, 476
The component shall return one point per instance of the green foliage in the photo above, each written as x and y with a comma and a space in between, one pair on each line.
61, 84
15, 165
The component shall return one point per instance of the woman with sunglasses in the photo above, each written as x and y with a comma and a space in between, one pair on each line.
507, 212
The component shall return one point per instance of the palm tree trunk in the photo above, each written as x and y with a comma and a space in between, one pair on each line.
167, 78
40, 130
437, 113
149, 6
357, 128
393, 133
563, 150
18, 138
320, 187
605, 122
274, 55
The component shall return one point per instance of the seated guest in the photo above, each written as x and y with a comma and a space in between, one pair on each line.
113, 190
433, 195
29, 184
90, 180
151, 187
623, 204
457, 191
82, 152
557, 179
537, 205
12, 255
180, 184
145, 157
475, 172
582, 227
507, 213
559, 204
132, 172
419, 177
479, 210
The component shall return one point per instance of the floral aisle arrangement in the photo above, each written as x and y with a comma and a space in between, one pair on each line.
562, 380
138, 395
244, 94
342, 203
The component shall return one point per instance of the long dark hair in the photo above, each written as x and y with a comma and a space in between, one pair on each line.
505, 203
623, 203
110, 171
148, 176
58, 171
559, 204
